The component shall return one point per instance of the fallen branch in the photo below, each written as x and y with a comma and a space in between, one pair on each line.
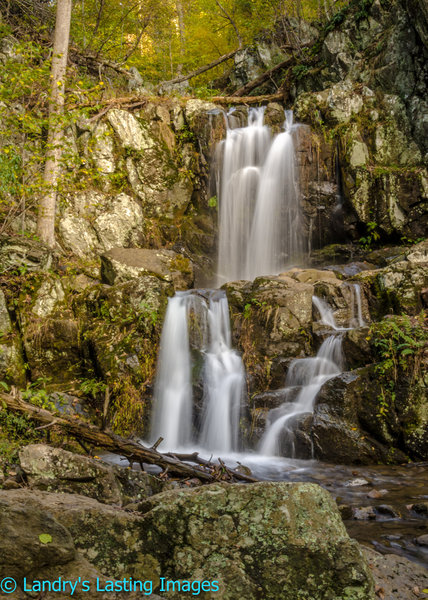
252, 85
199, 71
247, 99
133, 451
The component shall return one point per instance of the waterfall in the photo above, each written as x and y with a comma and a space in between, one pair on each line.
326, 313
357, 311
309, 375
260, 230
198, 322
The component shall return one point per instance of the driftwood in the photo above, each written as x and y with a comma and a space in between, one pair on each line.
252, 85
204, 470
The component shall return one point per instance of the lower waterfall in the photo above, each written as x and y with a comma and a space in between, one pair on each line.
196, 337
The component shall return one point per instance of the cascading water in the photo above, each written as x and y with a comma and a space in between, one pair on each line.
260, 228
305, 378
308, 375
198, 322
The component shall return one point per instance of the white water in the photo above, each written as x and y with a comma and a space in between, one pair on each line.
198, 323
260, 230
326, 313
309, 374
357, 311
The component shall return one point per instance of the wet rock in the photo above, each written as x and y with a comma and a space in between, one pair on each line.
351, 269
422, 540
357, 482
377, 494
347, 421
385, 510
357, 348
121, 264
273, 398
421, 508
363, 513
272, 318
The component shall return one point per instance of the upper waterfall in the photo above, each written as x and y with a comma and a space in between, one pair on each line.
260, 223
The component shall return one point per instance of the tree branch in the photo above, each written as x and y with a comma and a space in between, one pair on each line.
251, 85
204, 470
232, 22
197, 72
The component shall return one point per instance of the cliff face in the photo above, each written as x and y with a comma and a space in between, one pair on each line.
361, 86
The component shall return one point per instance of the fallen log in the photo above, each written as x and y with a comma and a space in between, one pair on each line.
246, 99
204, 470
255, 83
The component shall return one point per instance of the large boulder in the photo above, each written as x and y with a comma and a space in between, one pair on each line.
56, 470
94, 222
275, 540
22, 546
270, 540
122, 264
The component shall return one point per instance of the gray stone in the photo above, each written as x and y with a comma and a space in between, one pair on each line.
121, 264
271, 540
54, 469
396, 577
19, 253
21, 549
129, 130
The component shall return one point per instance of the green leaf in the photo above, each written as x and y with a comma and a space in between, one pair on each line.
45, 538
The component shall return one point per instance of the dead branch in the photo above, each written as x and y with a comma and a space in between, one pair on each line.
247, 99
199, 71
251, 85
204, 470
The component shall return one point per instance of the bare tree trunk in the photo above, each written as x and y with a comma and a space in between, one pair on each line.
47, 204
232, 22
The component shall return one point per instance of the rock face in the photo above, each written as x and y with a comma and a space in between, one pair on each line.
143, 181
376, 116
122, 264
270, 540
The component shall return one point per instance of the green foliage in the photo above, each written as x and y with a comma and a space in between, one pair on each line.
37, 394
371, 236
45, 538
400, 343
299, 71
93, 387
213, 202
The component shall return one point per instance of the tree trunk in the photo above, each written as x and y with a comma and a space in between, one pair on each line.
177, 465
47, 204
